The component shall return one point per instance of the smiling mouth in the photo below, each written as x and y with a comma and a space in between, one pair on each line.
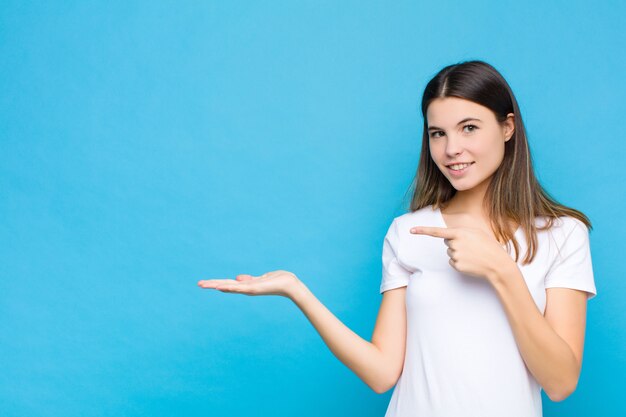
459, 167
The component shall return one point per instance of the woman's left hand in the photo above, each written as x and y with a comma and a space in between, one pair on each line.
471, 250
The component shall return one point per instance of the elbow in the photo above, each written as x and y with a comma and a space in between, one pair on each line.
558, 396
380, 389
562, 393
384, 387
377, 389
564, 388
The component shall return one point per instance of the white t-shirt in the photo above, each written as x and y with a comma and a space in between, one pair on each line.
461, 356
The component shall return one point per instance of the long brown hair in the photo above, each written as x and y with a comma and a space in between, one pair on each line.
513, 194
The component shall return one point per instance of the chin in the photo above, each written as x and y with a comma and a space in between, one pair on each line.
460, 186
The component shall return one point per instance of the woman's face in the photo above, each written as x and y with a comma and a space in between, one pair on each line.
461, 131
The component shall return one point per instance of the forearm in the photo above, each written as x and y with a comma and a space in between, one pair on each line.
547, 356
361, 356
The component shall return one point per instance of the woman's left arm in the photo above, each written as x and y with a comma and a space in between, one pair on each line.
551, 344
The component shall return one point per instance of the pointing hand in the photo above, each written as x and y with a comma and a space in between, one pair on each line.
471, 251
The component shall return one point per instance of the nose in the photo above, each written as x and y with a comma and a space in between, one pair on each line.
453, 145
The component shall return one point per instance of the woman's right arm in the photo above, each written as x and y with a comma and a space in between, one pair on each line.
377, 363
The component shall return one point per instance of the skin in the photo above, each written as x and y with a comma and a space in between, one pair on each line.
481, 142
551, 344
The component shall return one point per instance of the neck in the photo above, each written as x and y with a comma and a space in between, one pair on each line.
469, 201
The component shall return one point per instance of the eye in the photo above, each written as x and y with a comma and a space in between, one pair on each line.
473, 127
435, 134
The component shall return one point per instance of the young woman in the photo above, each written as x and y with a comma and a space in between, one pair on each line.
467, 326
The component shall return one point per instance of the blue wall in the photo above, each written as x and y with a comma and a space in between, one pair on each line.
147, 145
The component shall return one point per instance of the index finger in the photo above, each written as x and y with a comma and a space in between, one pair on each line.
212, 283
434, 231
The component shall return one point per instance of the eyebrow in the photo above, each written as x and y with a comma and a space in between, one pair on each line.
462, 121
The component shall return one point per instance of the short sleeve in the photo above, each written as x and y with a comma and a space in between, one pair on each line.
394, 274
572, 267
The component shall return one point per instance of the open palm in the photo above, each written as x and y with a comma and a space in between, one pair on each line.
271, 283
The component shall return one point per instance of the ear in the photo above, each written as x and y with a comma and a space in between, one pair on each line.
509, 126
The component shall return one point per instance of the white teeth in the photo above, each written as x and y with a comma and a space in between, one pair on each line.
459, 166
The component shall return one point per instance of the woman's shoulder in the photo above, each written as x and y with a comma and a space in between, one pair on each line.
563, 228
425, 216
564, 222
